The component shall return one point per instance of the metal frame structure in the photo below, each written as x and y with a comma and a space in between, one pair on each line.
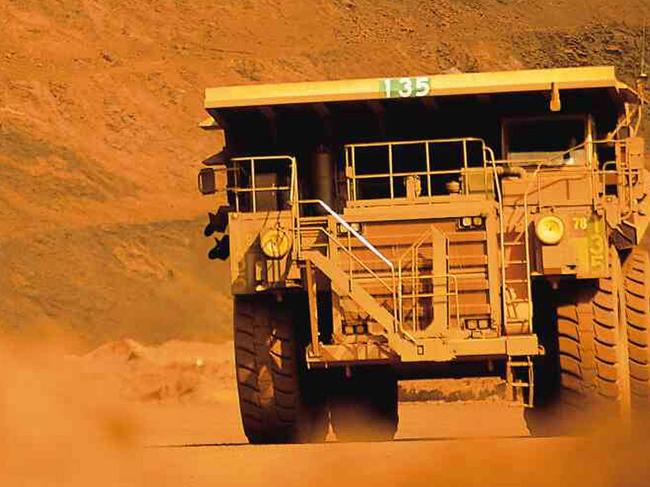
391, 175
237, 164
303, 226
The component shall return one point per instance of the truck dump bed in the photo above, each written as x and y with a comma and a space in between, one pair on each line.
602, 78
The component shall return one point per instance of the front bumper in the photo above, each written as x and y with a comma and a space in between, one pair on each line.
425, 350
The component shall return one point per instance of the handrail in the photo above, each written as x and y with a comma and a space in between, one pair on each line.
502, 245
627, 173
529, 286
420, 240
410, 173
351, 231
412, 250
356, 259
349, 228
408, 251
352, 178
536, 180
236, 190
622, 168
420, 141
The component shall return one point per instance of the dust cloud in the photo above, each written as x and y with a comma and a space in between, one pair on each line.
109, 418
58, 429
69, 420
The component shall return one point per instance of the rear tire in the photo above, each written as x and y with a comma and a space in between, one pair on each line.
636, 273
592, 349
280, 401
364, 406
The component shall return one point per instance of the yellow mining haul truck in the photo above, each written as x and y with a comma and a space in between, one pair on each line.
432, 226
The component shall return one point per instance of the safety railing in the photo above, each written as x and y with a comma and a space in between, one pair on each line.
347, 248
626, 177
523, 237
527, 254
464, 168
408, 270
596, 177
243, 186
492, 161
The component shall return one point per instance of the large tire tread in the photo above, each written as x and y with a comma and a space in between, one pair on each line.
637, 293
268, 373
590, 345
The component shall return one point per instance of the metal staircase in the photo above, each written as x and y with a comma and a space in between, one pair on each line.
516, 278
326, 242
347, 288
316, 244
319, 248
520, 379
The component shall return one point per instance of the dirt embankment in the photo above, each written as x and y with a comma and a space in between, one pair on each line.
200, 373
98, 142
148, 281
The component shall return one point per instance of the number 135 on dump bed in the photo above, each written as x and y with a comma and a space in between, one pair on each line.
406, 87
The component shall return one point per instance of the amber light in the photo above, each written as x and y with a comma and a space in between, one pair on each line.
550, 230
275, 243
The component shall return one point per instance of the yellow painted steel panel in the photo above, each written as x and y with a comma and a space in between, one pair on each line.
419, 86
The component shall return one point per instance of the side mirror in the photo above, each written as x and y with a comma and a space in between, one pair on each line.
207, 181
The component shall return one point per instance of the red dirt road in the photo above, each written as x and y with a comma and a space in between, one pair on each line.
446, 444
128, 415
449, 463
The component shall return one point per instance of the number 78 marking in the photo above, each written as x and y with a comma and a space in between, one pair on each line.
580, 223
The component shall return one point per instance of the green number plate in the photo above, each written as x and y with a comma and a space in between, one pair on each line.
405, 87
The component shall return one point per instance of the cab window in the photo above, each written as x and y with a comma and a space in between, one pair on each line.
552, 139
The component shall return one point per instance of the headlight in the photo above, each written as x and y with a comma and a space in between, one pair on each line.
275, 243
355, 226
550, 229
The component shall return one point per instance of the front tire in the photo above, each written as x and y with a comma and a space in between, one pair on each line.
280, 401
592, 348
